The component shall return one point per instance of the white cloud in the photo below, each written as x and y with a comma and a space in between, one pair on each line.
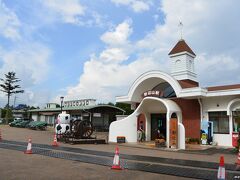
210, 29
119, 36
67, 11
9, 23
136, 5
140, 6
71, 12
28, 58
113, 54
218, 69
30, 61
106, 75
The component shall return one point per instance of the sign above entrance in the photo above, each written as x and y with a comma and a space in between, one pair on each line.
153, 93
77, 103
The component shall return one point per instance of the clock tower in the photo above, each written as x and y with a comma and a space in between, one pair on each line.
182, 62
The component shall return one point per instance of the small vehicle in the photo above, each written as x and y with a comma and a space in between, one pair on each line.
14, 122
37, 125
22, 124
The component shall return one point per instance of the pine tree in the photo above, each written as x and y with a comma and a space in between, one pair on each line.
9, 87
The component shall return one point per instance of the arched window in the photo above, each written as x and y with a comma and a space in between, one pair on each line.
178, 65
166, 88
174, 115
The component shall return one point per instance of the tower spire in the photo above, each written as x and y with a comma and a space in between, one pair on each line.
180, 25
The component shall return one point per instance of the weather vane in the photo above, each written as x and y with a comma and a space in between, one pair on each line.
180, 25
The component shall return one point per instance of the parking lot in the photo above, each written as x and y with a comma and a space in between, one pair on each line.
17, 165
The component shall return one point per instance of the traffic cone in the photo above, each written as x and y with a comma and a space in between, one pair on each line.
55, 140
238, 158
221, 170
29, 147
116, 160
0, 135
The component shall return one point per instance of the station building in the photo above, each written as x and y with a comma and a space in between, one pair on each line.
176, 106
101, 115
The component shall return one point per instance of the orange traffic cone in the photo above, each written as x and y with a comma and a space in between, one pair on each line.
29, 147
0, 135
116, 160
55, 140
221, 170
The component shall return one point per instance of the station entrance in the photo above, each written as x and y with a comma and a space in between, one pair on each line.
158, 126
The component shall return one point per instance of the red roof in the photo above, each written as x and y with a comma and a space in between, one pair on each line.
226, 87
181, 46
187, 83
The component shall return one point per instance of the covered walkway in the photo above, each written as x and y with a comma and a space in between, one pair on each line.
128, 126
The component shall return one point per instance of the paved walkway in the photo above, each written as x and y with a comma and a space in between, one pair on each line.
46, 137
198, 160
175, 167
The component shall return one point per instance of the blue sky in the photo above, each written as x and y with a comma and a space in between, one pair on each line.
96, 49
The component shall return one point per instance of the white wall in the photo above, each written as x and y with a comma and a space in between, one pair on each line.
182, 67
34, 117
119, 117
218, 104
223, 139
126, 127
42, 118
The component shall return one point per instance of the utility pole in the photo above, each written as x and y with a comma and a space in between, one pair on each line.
14, 102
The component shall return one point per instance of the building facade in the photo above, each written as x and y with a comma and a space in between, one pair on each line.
86, 109
175, 106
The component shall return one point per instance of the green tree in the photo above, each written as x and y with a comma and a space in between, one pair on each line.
110, 103
8, 115
126, 107
9, 87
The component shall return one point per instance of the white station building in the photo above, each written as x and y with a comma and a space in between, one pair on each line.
176, 106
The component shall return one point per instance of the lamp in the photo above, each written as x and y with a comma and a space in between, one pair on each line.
61, 98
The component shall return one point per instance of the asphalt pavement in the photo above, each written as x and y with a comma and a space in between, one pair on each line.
138, 158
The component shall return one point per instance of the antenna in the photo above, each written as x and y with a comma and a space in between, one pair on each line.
180, 25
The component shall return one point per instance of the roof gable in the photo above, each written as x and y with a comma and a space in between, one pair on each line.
181, 46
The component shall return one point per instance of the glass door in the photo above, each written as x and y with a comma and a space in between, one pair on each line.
158, 126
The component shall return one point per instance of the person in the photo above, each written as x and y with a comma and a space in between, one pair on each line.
143, 135
142, 138
158, 134
139, 135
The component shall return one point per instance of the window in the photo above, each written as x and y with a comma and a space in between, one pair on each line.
190, 65
178, 65
166, 88
220, 122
